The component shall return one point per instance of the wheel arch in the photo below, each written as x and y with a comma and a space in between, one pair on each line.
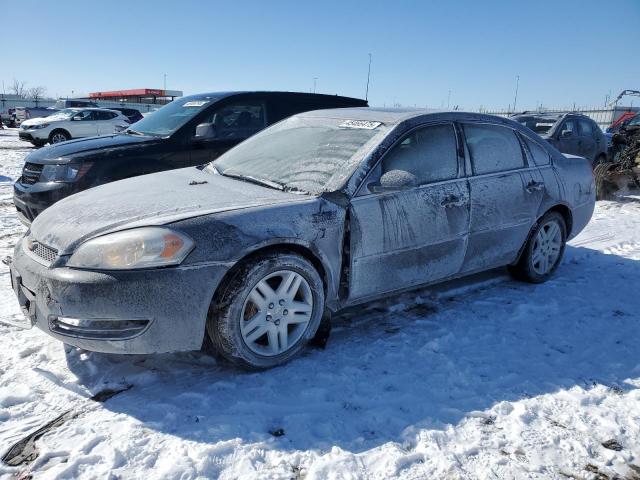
60, 129
318, 261
563, 210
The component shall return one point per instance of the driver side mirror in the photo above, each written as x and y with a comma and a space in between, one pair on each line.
76, 118
205, 131
566, 133
394, 180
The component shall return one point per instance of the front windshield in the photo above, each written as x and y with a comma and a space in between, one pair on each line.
172, 116
298, 154
63, 114
540, 125
634, 122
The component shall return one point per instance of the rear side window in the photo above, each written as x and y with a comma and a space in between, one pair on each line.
493, 148
428, 153
105, 115
539, 154
586, 128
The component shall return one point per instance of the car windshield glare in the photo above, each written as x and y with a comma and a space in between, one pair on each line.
172, 116
63, 114
300, 153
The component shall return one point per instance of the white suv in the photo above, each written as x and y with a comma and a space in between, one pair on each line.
72, 123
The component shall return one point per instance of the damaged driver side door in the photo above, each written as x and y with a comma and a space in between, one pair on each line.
410, 219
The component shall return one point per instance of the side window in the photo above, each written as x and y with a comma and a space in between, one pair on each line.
540, 155
569, 128
429, 154
85, 115
493, 148
586, 128
238, 121
105, 115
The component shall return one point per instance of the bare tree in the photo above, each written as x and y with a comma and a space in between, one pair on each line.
19, 88
36, 93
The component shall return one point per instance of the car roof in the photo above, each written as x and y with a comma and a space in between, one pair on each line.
394, 116
221, 95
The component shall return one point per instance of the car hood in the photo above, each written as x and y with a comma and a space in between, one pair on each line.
65, 152
32, 122
155, 199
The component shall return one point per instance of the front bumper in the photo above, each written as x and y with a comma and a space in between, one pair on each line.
31, 200
141, 311
31, 136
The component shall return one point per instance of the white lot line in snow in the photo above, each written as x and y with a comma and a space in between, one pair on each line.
498, 380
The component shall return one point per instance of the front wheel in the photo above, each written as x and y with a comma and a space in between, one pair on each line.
269, 310
544, 250
58, 136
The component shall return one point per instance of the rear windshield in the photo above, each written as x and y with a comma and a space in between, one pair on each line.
300, 153
172, 116
540, 125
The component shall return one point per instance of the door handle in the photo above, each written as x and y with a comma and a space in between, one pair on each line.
453, 201
534, 186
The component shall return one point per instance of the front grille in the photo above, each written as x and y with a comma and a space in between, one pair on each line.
48, 254
30, 173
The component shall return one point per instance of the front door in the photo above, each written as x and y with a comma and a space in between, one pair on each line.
413, 234
569, 137
505, 196
587, 142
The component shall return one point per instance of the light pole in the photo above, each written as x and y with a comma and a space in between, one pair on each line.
315, 79
448, 99
515, 99
366, 94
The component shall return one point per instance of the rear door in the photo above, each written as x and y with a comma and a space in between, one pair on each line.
106, 122
415, 235
505, 196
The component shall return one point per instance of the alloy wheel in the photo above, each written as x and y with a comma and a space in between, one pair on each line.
546, 248
276, 313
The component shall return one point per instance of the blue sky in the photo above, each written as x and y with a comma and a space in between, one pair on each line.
564, 51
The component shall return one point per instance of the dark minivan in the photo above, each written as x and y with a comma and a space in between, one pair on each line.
189, 131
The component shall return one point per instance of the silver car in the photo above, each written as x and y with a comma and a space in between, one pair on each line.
321, 211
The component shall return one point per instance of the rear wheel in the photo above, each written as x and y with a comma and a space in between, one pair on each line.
58, 136
270, 309
544, 250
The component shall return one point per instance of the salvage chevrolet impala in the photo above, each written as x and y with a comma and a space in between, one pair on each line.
321, 211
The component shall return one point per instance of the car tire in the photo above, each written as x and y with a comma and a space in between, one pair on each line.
543, 251
58, 136
38, 144
268, 310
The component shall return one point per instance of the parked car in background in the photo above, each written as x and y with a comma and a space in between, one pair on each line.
325, 210
188, 131
28, 113
71, 123
571, 133
132, 114
63, 103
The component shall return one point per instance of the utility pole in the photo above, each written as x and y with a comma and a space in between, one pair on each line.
314, 84
515, 99
448, 99
366, 94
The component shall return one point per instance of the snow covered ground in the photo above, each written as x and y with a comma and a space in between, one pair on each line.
497, 379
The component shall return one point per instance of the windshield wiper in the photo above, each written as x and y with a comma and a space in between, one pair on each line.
257, 181
133, 132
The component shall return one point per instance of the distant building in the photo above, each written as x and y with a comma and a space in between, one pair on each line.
138, 95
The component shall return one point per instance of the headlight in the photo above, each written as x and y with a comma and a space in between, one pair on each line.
137, 248
63, 173
42, 125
